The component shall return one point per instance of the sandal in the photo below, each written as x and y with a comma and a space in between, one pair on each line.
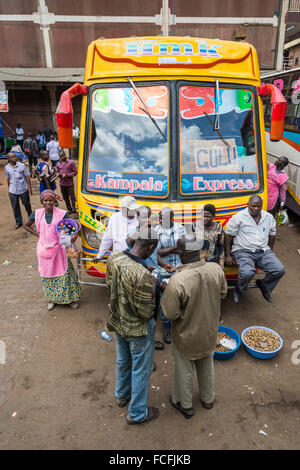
74, 304
152, 414
121, 402
159, 345
207, 406
187, 412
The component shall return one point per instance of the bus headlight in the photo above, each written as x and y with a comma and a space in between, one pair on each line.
92, 237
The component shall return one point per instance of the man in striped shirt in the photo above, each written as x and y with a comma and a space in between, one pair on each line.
168, 232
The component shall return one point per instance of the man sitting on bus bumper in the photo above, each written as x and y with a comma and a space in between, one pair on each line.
252, 232
120, 225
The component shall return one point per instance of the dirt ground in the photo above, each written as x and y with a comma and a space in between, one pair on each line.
57, 384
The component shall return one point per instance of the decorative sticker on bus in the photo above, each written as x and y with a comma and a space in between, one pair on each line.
194, 101
217, 183
197, 101
126, 101
128, 183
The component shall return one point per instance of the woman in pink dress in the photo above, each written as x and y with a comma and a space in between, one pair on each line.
277, 182
59, 279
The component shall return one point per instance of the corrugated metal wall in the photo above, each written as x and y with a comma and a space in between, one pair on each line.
22, 44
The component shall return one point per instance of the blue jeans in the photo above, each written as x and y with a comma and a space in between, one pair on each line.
133, 370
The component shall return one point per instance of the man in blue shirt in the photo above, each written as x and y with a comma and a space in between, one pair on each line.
168, 232
19, 187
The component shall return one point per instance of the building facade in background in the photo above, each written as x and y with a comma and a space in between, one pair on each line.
44, 42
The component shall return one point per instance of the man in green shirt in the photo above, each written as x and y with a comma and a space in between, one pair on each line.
131, 317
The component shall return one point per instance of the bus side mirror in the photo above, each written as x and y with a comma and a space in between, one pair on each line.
279, 106
64, 115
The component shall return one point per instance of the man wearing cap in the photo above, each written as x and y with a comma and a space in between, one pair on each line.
192, 301
120, 226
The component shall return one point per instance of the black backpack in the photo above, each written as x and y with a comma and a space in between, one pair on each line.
28, 147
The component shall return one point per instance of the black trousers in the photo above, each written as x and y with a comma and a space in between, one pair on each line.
32, 160
68, 194
15, 203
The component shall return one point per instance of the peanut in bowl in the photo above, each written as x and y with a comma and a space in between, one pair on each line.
261, 342
227, 354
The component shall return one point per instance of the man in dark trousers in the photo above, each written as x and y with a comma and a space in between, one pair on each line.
131, 317
249, 241
19, 187
47, 133
30, 147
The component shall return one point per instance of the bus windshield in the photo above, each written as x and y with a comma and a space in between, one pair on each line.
129, 144
217, 141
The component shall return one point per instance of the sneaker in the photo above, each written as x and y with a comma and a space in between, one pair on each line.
74, 304
51, 306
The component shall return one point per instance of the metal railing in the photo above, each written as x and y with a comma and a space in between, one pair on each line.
288, 63
83, 277
294, 5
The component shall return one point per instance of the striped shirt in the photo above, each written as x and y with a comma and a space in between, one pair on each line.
132, 296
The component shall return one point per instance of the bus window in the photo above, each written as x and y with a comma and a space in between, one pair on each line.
129, 153
289, 84
217, 160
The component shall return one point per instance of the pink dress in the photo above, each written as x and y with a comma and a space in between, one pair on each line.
52, 257
277, 182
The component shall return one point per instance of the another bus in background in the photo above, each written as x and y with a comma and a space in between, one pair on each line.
288, 82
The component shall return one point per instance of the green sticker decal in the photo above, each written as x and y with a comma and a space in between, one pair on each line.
98, 226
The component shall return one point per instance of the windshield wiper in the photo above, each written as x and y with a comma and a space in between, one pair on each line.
145, 109
218, 131
217, 102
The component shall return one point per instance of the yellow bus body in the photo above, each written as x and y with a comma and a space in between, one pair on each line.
146, 59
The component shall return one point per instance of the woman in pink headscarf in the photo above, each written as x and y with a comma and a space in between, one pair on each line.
277, 182
59, 280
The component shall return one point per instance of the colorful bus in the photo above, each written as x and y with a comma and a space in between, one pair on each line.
288, 82
173, 121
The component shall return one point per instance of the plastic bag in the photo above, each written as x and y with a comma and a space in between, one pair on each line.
282, 217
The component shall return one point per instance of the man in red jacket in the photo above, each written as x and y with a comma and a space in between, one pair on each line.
66, 170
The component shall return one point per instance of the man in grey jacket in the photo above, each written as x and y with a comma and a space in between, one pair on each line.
192, 302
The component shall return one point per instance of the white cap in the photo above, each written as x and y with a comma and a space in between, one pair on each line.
129, 202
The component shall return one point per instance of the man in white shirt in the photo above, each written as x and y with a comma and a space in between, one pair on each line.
120, 226
19, 187
251, 233
20, 135
53, 148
